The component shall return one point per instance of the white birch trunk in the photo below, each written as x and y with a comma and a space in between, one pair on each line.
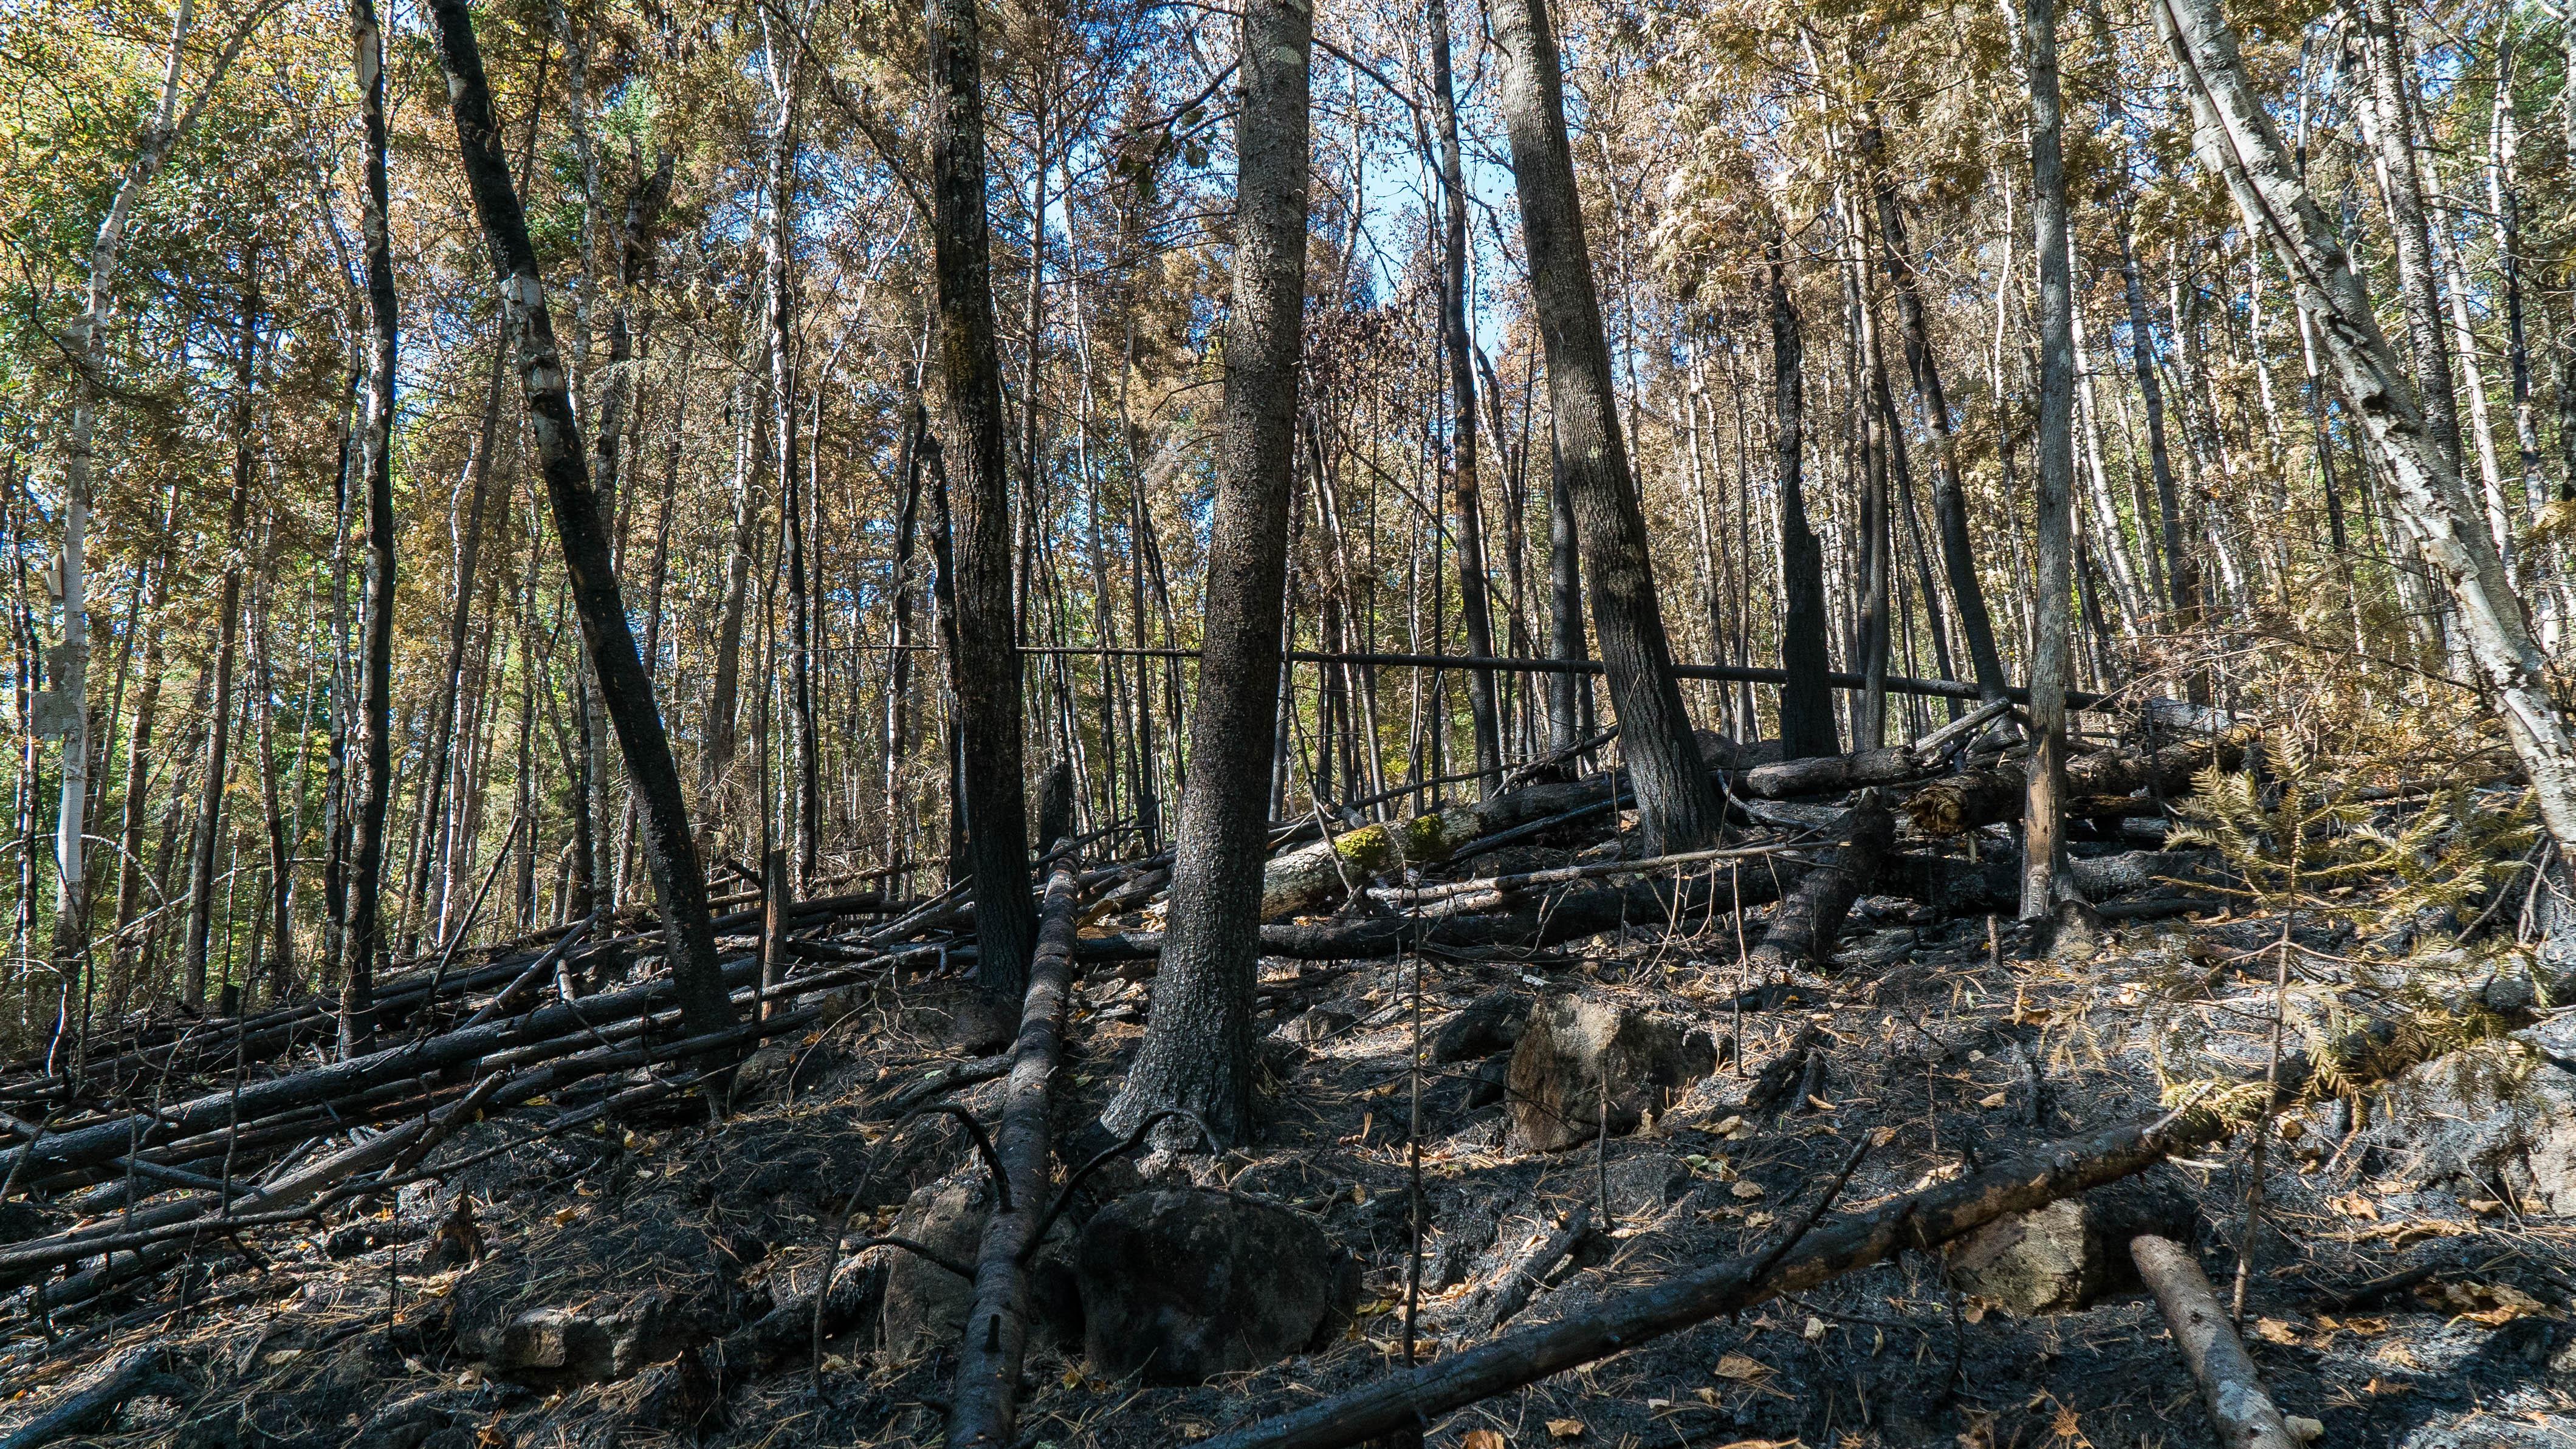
2235, 137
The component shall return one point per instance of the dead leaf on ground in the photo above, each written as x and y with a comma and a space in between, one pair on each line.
1737, 1366
1482, 1439
1565, 1428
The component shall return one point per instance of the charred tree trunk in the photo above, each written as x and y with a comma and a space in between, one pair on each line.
1806, 701
984, 668
1197, 1052
1949, 489
625, 689
1677, 802
804, 755
365, 944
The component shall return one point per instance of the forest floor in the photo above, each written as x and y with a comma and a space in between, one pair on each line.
664, 1240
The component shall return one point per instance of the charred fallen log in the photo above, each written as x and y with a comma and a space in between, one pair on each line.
1837, 774
1965, 801
1804, 925
1922, 1220
985, 1405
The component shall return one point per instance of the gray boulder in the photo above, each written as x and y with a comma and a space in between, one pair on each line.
1182, 1284
926, 1305
1572, 1048
2067, 1255
594, 1300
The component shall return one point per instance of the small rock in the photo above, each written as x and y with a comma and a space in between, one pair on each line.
926, 1305
1179, 1285
1316, 1025
1489, 1024
2064, 1256
763, 1072
595, 1300
1572, 1046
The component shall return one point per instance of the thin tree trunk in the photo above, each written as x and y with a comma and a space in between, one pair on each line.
210, 800
624, 688
2043, 848
1677, 802
1949, 488
2419, 285
725, 688
365, 944
804, 752
1475, 609
460, 620
984, 668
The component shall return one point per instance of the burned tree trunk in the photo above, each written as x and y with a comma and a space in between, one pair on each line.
364, 943
1806, 701
2052, 637
1474, 608
1197, 1053
202, 859
1677, 802
625, 689
1949, 489
984, 669
1804, 924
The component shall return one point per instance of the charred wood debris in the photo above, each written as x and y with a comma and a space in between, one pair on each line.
165, 1166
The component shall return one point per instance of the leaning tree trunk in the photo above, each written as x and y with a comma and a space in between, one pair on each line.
1677, 804
365, 938
1197, 1052
984, 667
624, 688
2234, 137
1806, 701
1474, 607
2043, 844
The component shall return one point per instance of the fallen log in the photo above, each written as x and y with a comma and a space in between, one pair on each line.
984, 1402
510, 1041
1959, 803
1956, 887
1465, 893
1836, 774
1531, 922
1409, 1401
392, 1150
144, 1375
2240, 1408
1803, 927
1311, 875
